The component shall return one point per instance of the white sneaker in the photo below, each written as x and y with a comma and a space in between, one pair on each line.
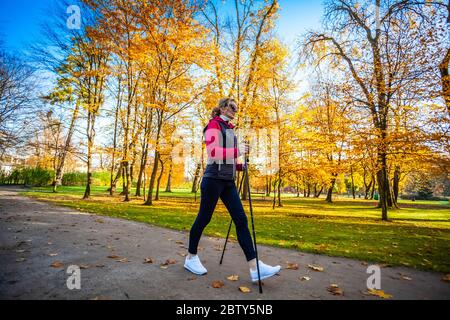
195, 266
265, 271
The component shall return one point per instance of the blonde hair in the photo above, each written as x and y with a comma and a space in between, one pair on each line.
223, 103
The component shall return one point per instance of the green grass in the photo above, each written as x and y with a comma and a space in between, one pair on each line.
417, 235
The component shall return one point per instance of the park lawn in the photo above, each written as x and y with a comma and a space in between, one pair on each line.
417, 235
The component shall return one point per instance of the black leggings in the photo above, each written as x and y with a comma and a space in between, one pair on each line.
211, 190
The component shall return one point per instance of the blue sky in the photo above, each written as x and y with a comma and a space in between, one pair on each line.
20, 19
297, 16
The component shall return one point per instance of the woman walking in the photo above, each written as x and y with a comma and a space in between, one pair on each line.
218, 182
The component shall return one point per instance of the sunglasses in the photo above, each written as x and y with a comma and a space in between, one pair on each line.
233, 107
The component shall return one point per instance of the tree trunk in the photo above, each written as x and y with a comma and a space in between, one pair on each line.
159, 179
113, 186
62, 158
367, 189
280, 181
149, 201
196, 178
383, 184
330, 189
145, 150
145, 182
274, 193
372, 193
143, 164
353, 183
160, 115
91, 136
304, 191
268, 185
113, 182
127, 180
169, 178
395, 185
317, 195
123, 180
131, 174
390, 201
126, 160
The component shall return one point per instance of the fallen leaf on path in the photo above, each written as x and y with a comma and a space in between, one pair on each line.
170, 261
52, 254
148, 260
335, 290
20, 259
305, 278
20, 251
446, 278
292, 266
114, 256
85, 266
100, 221
218, 284
315, 268
56, 264
192, 278
183, 254
233, 278
406, 278
179, 242
379, 293
163, 266
100, 266
244, 290
124, 260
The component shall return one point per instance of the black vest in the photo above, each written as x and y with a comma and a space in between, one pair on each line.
222, 171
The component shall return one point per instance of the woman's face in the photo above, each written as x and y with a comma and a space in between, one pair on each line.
230, 111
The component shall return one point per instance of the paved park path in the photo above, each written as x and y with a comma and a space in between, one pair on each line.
111, 253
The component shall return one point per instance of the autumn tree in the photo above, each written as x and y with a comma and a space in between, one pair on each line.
16, 88
369, 41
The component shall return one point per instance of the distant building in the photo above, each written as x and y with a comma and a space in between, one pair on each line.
9, 163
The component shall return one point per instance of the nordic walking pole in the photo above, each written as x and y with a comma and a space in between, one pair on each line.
253, 223
229, 227
231, 221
